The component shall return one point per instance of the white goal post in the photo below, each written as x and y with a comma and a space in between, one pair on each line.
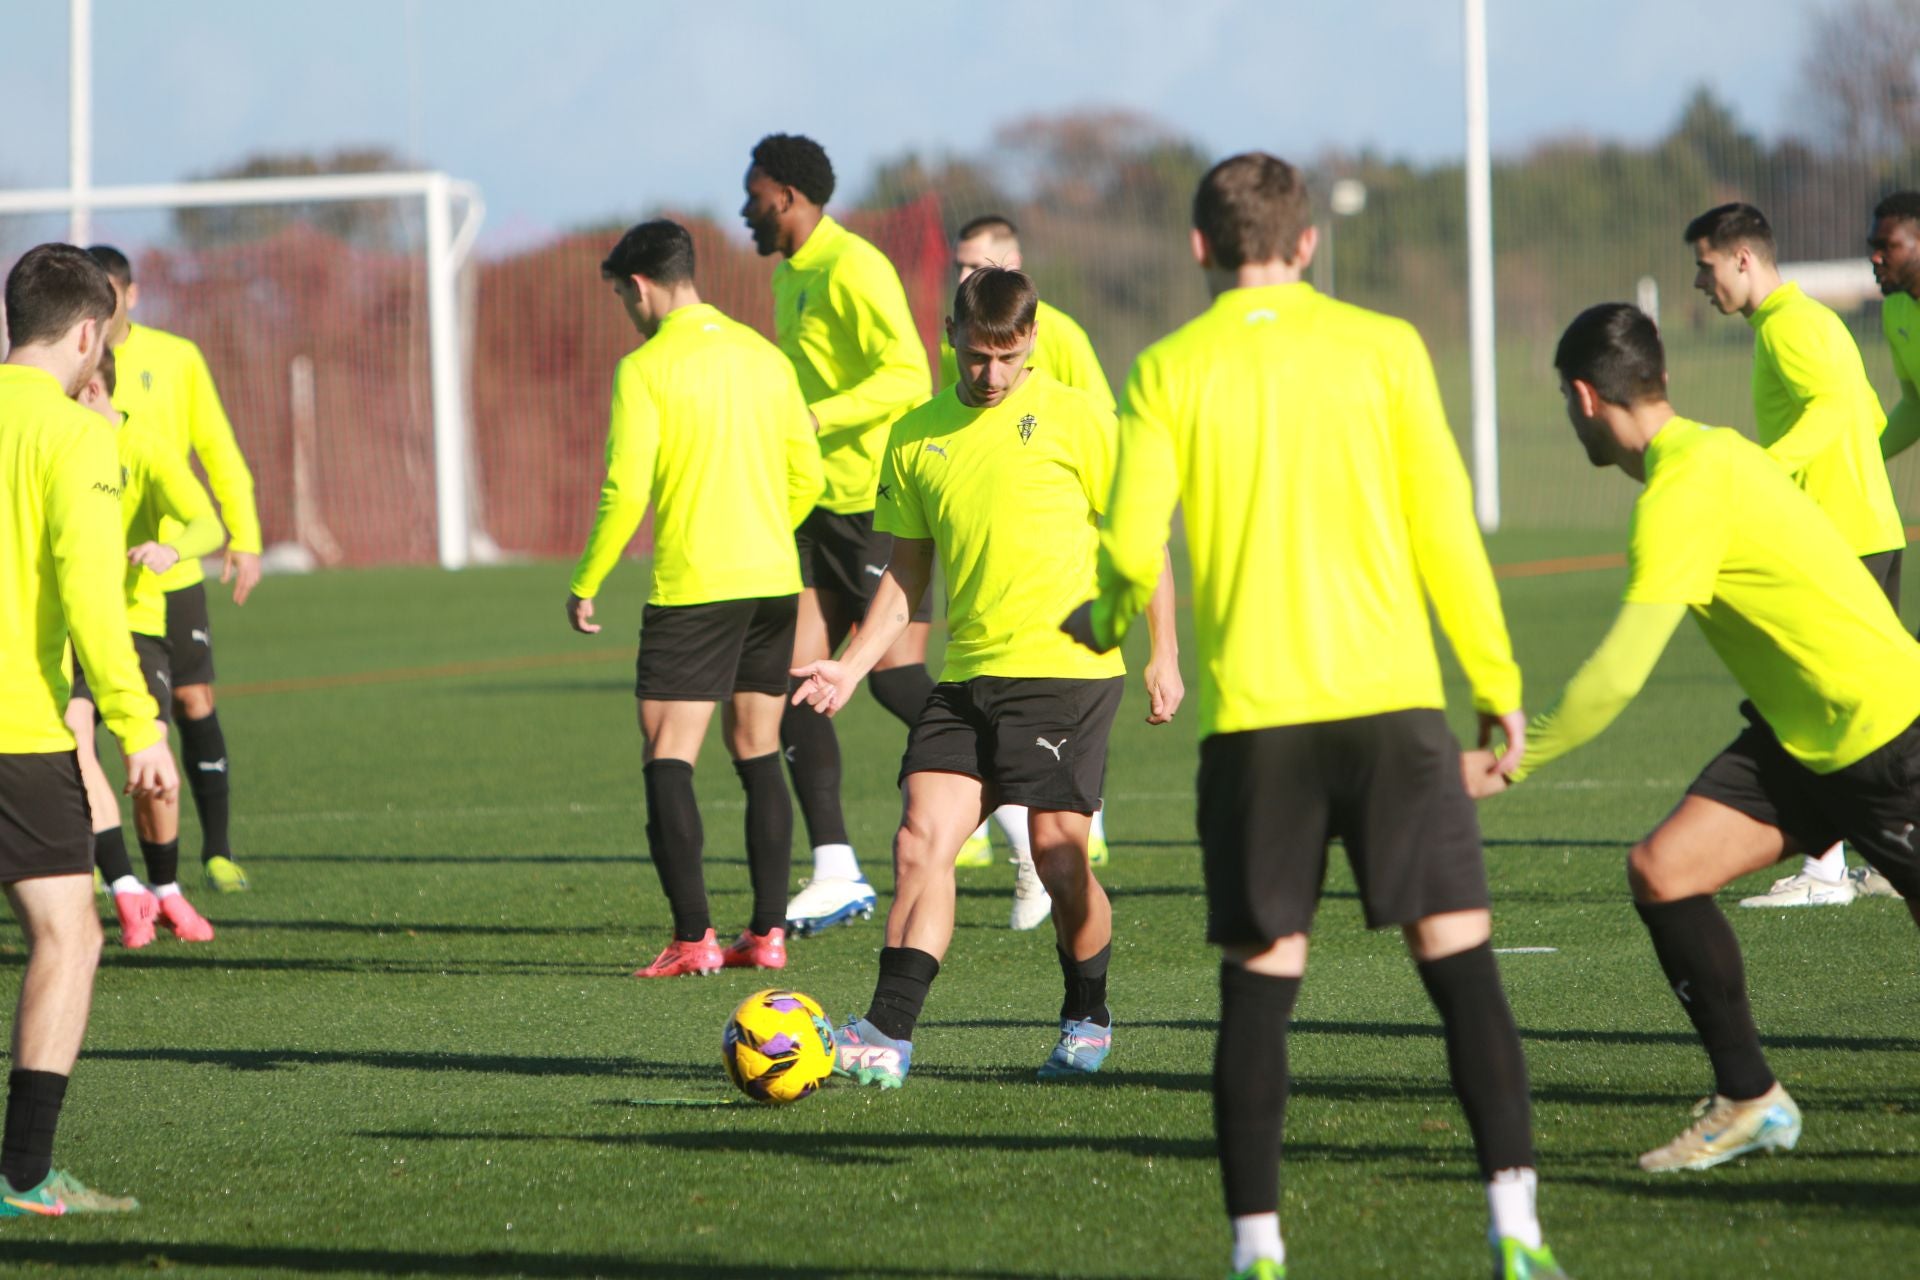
448, 247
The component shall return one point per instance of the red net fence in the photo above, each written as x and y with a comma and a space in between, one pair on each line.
319, 347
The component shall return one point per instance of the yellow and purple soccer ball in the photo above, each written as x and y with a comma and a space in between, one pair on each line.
778, 1046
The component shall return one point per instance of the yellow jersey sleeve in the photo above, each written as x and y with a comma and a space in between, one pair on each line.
867, 296
1679, 535
1900, 323
633, 441
1448, 553
89, 552
897, 507
219, 454
806, 472
1604, 685
1139, 511
162, 494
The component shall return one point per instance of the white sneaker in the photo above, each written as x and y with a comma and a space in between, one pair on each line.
1803, 890
1868, 883
1031, 905
824, 903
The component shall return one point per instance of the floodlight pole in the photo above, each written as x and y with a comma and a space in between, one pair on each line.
1486, 431
80, 119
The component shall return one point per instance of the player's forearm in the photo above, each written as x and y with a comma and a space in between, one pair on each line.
232, 485
1811, 434
202, 535
1162, 635
899, 594
806, 479
92, 596
1604, 685
1903, 424
613, 528
895, 385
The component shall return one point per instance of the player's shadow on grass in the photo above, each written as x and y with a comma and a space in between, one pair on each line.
416, 1060
244, 1260
1554, 842
426, 967
756, 1143
1846, 1197
463, 859
403, 927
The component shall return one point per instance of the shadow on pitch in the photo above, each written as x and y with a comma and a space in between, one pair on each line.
426, 968
251, 1260
1848, 1197
549, 1066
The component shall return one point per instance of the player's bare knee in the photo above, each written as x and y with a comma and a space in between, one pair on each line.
1649, 879
195, 701
916, 854
1062, 868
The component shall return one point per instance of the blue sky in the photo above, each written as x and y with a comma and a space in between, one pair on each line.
577, 110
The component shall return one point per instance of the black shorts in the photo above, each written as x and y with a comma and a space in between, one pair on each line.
844, 555
1033, 741
1873, 804
45, 829
709, 652
156, 664
1387, 786
190, 634
1885, 568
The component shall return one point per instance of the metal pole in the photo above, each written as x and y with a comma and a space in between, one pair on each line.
449, 409
1486, 431
80, 120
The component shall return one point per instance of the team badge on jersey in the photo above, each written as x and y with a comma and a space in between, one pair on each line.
1027, 424
146, 379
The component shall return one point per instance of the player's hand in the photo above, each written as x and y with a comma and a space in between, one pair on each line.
242, 568
157, 556
151, 771
1079, 627
580, 615
1513, 728
1480, 772
1165, 689
825, 686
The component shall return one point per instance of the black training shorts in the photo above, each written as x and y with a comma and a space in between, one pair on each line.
844, 555
190, 634
1387, 786
45, 829
1035, 741
156, 664
1873, 804
709, 652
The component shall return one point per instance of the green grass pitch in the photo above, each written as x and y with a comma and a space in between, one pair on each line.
414, 1049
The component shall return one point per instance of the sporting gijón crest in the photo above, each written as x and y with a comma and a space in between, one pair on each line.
1027, 424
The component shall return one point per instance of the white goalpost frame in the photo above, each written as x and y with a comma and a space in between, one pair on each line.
1486, 422
448, 247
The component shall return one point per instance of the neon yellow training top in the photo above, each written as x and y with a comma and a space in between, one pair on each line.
840, 314
1900, 321
61, 566
1819, 418
162, 381
1781, 597
1325, 503
1010, 496
708, 426
1061, 350
158, 489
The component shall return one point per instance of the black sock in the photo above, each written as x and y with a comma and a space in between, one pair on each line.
674, 840
905, 976
1701, 958
1483, 1056
110, 854
203, 758
33, 1113
769, 838
902, 690
1250, 1086
162, 858
813, 758
1086, 983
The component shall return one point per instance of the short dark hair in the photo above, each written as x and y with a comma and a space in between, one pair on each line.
994, 223
1903, 205
109, 376
1252, 207
51, 289
660, 250
996, 306
1729, 224
113, 261
796, 161
1616, 349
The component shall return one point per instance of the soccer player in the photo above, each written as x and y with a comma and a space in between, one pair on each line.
1831, 747
709, 426
1001, 479
60, 542
1818, 418
841, 316
1893, 247
1326, 507
164, 384
155, 485
1062, 350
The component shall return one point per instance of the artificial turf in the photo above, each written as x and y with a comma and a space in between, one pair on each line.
414, 1049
